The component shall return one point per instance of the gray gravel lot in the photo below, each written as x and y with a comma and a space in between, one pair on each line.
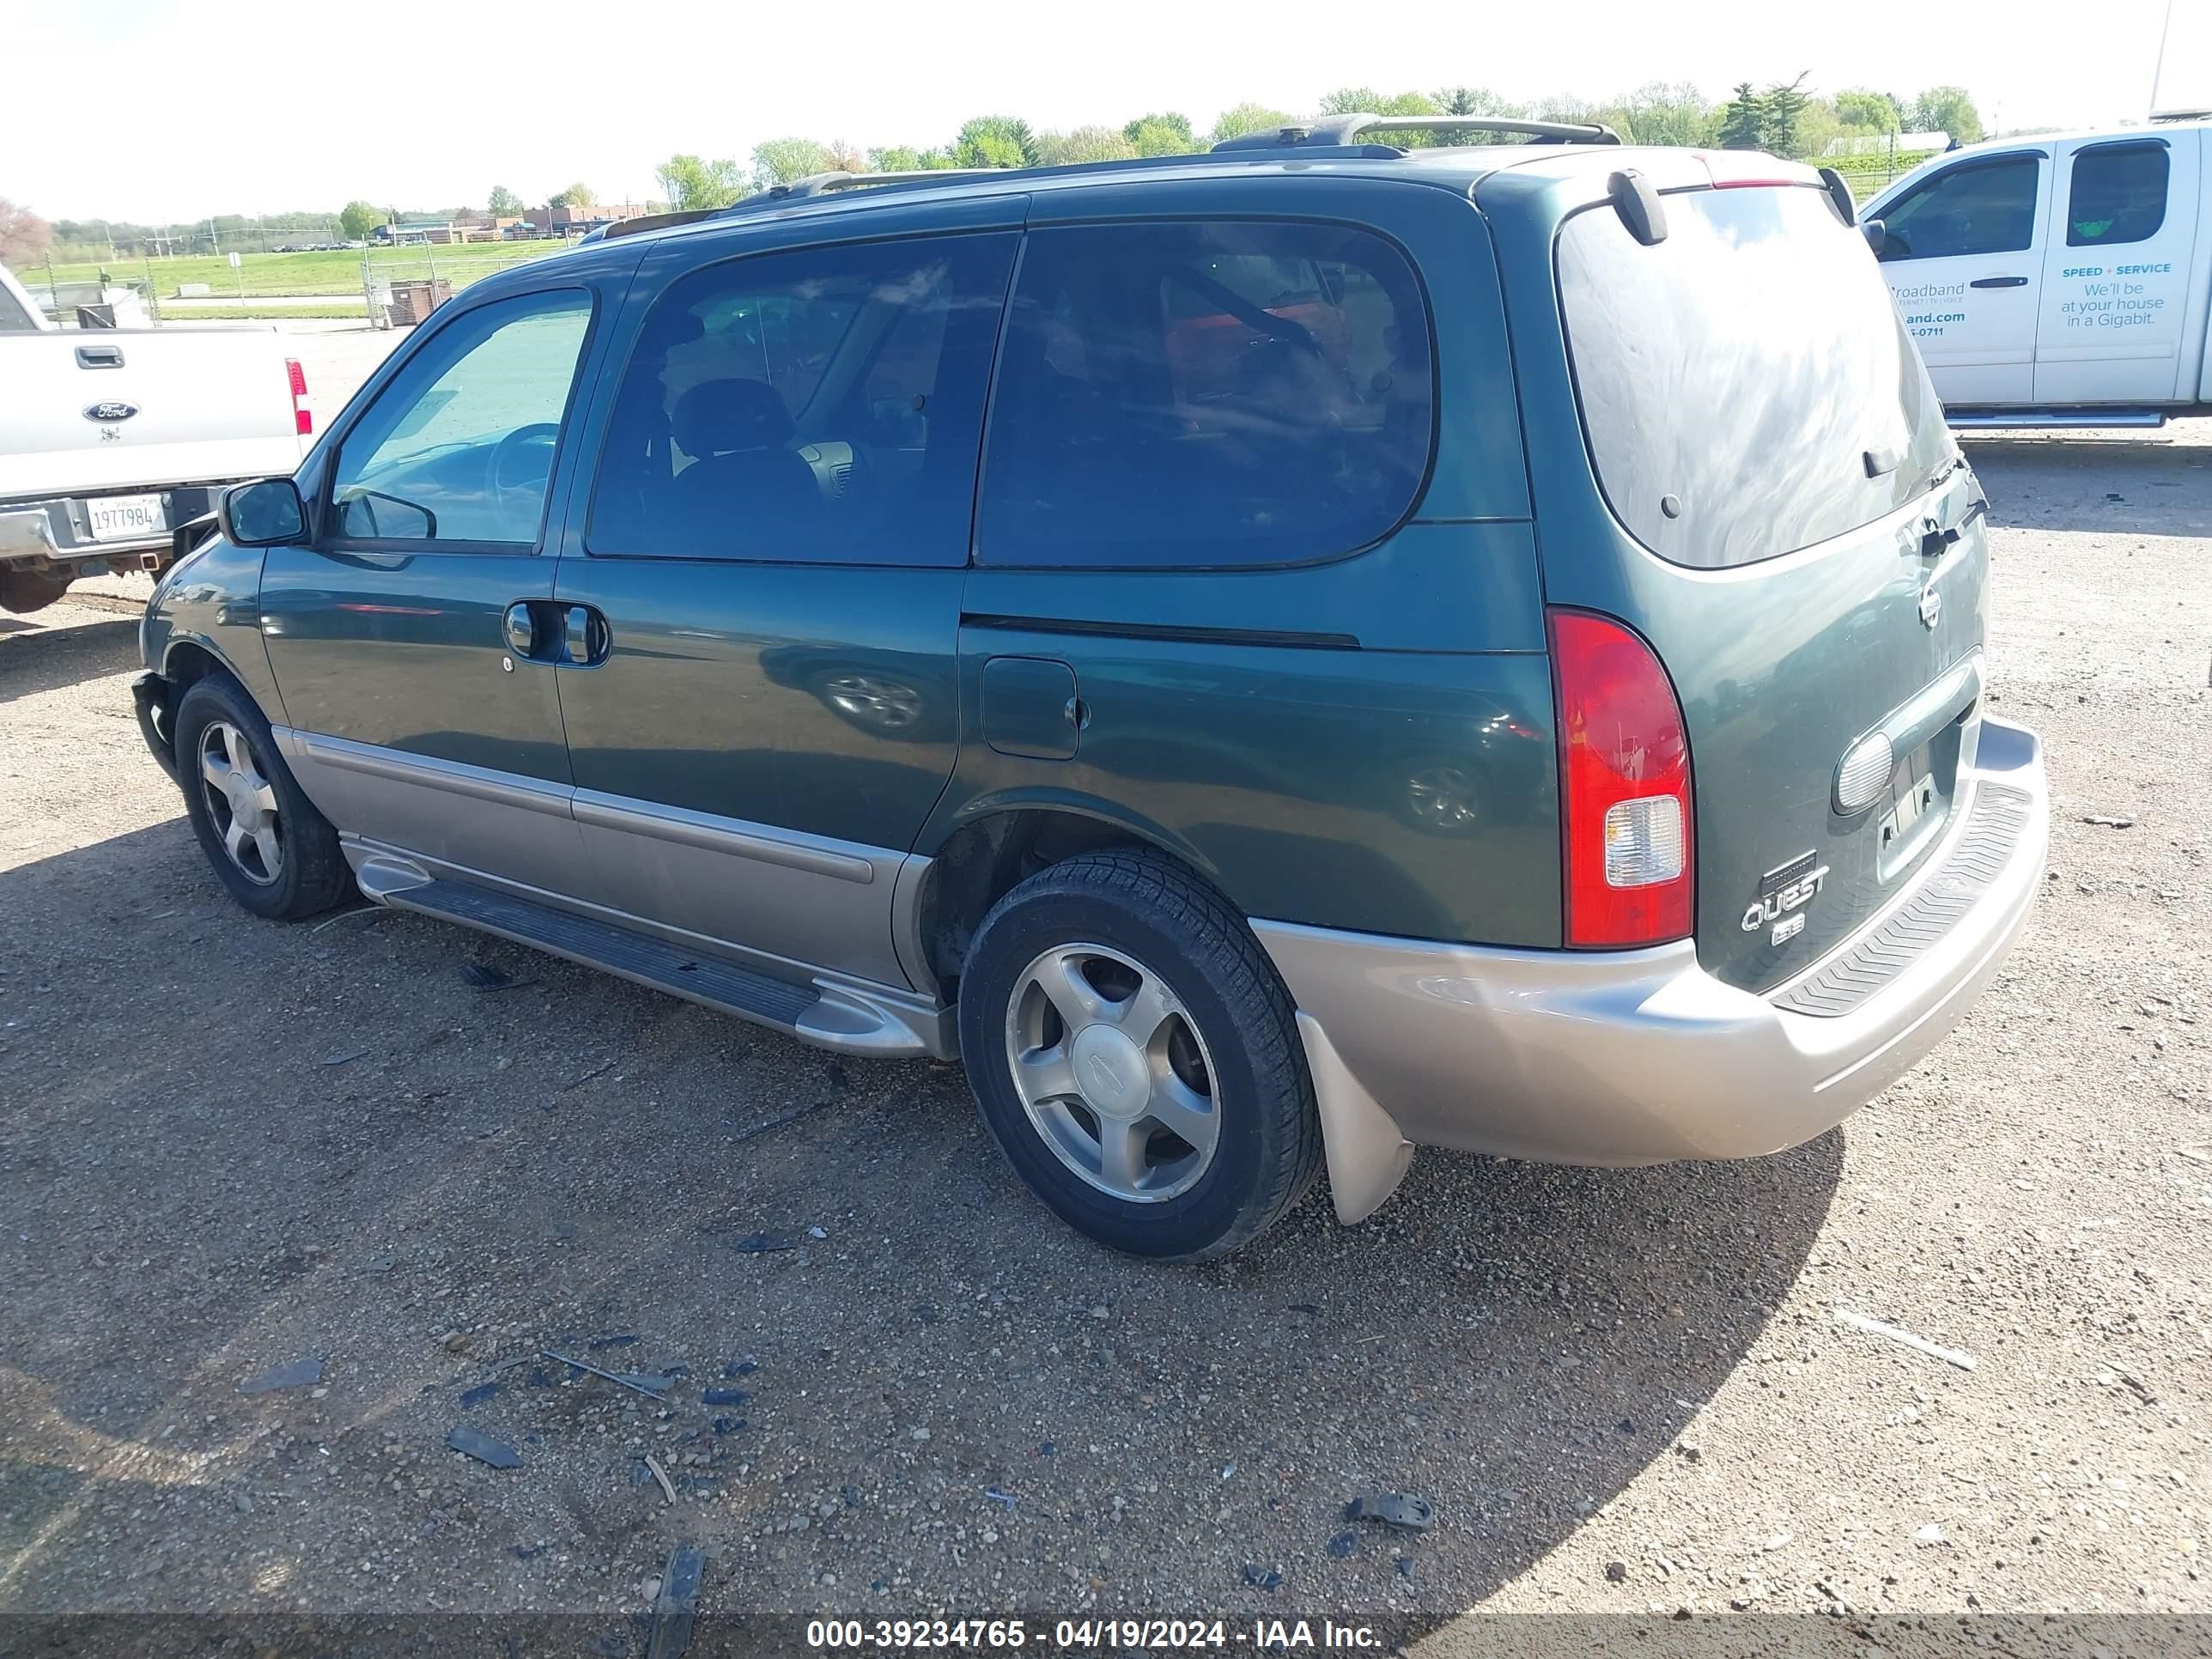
226, 1145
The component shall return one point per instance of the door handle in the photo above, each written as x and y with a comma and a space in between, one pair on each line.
1998, 281
100, 356
558, 635
587, 640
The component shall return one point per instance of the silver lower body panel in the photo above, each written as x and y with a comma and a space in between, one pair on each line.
1636, 1057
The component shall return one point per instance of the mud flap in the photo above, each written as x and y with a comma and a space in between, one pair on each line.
1367, 1155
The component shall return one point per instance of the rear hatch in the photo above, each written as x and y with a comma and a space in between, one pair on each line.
1773, 502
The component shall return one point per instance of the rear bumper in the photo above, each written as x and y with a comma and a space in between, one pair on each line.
55, 536
1641, 1056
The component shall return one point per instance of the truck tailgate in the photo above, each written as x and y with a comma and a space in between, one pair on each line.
87, 410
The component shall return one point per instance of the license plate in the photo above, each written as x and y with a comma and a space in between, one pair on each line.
126, 518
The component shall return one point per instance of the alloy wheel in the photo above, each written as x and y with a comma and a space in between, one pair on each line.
241, 803
1113, 1073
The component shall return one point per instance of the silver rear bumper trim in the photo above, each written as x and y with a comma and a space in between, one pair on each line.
1639, 1056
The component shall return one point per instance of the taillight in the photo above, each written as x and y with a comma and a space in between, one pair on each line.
1624, 786
303, 415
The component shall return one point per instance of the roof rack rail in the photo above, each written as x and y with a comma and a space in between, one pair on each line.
821, 183
645, 221
1339, 131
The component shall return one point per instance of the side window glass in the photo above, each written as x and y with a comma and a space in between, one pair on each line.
821, 404
1982, 207
13, 316
460, 446
2118, 195
1206, 394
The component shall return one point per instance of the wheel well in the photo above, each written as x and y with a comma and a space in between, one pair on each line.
985, 860
187, 664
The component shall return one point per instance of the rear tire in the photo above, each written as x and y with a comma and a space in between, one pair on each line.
276, 855
1136, 1058
24, 591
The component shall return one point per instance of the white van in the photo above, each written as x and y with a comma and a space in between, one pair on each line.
2061, 280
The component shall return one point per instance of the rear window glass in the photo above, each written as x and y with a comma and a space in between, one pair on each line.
1197, 394
2118, 195
1747, 387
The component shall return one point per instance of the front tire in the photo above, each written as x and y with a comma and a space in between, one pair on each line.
274, 853
1136, 1058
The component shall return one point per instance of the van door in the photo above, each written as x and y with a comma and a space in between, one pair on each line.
2115, 271
1961, 259
769, 582
1798, 542
416, 720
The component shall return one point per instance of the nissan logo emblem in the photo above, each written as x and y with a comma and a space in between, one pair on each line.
110, 412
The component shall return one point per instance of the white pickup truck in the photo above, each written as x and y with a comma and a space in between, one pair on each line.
110, 439
2064, 280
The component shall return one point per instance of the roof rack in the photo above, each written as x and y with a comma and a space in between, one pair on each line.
821, 183
645, 221
1339, 131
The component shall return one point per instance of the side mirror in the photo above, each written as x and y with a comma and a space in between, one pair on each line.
263, 514
1877, 237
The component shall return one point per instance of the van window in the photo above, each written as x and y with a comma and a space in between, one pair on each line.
13, 316
460, 446
1206, 394
1746, 386
2118, 195
823, 404
1977, 207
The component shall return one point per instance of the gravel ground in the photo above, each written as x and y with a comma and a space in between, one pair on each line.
227, 1146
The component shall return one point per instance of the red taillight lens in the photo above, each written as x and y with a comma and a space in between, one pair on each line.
303, 417
1624, 786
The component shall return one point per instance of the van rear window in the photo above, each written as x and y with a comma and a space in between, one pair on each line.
1746, 385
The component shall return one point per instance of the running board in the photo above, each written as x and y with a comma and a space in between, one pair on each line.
1983, 420
824, 1013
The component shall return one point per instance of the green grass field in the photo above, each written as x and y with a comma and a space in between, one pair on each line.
297, 273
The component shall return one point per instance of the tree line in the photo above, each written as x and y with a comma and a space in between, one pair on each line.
1782, 118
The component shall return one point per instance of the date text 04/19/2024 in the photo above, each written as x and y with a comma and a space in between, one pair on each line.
1083, 1635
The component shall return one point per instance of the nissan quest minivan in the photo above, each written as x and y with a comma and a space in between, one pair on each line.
1271, 658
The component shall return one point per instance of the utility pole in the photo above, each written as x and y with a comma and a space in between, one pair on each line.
2158, 68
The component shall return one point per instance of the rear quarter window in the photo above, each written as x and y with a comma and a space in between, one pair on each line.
1746, 386
1205, 395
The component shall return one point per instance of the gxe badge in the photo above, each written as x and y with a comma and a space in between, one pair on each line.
110, 412
1783, 893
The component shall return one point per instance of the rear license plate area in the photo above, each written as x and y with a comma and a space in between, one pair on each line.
126, 518
1919, 803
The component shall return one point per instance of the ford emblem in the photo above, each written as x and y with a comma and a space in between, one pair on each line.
110, 412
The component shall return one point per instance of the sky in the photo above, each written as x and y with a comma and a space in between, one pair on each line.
150, 109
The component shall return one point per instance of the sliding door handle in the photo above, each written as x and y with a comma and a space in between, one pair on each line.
588, 638
1998, 281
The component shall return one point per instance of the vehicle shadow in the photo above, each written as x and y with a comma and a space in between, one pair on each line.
34, 660
2143, 486
227, 1144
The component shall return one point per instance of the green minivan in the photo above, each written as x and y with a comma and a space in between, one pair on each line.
1272, 658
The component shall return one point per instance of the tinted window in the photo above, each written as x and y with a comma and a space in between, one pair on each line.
459, 445
1195, 394
2118, 195
13, 316
820, 404
1736, 378
1985, 207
